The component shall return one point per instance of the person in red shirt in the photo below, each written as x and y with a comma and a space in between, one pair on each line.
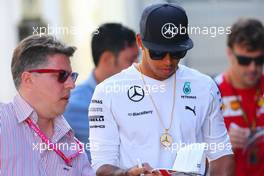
242, 88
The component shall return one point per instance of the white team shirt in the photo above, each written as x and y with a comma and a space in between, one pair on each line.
125, 127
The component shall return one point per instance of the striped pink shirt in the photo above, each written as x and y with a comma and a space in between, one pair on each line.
22, 151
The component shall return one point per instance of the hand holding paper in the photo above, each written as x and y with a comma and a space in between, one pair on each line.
190, 159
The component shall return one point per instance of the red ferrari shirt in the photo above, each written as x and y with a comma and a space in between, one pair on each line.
250, 160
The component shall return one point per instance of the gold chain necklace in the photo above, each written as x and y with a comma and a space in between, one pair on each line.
166, 139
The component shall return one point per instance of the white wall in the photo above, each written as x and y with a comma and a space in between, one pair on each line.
9, 17
209, 53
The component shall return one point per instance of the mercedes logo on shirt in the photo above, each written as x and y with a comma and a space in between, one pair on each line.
135, 93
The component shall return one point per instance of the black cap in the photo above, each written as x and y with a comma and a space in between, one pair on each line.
162, 28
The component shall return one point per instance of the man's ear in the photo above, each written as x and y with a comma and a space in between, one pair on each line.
139, 41
107, 59
230, 54
26, 80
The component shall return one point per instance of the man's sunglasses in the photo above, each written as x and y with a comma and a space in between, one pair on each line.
159, 55
63, 74
245, 61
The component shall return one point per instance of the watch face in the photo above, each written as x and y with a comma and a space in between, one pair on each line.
166, 140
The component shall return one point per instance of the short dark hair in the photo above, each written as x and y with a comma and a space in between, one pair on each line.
33, 51
248, 33
113, 37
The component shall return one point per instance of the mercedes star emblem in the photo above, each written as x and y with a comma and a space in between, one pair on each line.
135, 93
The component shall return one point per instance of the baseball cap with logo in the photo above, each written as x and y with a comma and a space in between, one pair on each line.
163, 27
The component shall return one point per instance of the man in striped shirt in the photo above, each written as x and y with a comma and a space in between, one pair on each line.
35, 137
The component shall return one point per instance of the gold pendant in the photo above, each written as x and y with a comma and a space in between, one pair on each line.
166, 139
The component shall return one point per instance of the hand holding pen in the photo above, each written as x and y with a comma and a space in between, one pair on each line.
140, 170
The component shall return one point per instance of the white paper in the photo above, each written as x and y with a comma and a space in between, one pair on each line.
191, 159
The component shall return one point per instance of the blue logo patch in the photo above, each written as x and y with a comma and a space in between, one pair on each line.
187, 88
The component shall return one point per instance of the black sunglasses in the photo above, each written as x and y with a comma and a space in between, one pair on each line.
63, 74
245, 61
159, 55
